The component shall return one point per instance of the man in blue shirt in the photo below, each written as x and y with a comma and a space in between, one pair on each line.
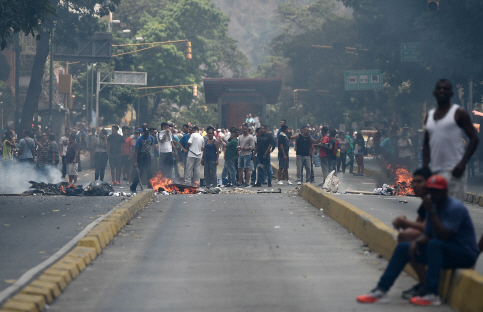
142, 158
448, 242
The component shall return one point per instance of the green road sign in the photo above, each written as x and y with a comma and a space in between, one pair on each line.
363, 80
410, 52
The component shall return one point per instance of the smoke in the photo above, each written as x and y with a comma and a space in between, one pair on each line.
14, 179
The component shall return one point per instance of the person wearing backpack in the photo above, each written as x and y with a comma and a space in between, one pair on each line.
332, 151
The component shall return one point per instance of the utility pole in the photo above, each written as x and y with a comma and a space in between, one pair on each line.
51, 85
17, 82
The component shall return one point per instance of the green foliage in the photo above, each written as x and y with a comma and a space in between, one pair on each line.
23, 16
215, 53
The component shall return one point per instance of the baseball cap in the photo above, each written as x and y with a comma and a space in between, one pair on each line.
145, 129
437, 182
139, 129
218, 130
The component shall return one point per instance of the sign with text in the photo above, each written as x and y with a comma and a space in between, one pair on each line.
410, 52
363, 80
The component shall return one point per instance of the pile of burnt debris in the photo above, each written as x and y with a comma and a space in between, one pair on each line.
96, 188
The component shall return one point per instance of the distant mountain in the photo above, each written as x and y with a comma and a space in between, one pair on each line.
254, 24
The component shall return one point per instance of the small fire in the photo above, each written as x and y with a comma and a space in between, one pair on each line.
402, 180
160, 183
63, 189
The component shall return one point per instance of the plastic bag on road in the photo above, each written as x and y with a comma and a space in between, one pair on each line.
98, 188
331, 183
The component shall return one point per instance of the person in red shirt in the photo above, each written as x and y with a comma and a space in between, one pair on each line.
126, 155
324, 157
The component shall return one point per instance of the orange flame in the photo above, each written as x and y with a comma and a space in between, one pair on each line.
160, 183
403, 179
63, 189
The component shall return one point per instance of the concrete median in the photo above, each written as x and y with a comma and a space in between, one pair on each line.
462, 289
54, 279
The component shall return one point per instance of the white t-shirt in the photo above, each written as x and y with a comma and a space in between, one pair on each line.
62, 142
167, 146
196, 141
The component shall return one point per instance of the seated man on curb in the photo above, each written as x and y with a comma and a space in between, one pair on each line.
410, 230
448, 242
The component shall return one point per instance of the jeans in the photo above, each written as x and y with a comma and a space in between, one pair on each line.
265, 170
192, 172
303, 161
143, 165
64, 167
230, 168
437, 255
324, 165
210, 173
333, 166
166, 164
341, 160
253, 168
351, 162
100, 161
312, 173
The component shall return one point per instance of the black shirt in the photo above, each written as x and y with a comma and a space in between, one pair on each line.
263, 141
115, 141
303, 145
282, 139
330, 153
422, 212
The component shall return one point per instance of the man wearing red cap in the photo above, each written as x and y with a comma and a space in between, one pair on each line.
443, 145
448, 242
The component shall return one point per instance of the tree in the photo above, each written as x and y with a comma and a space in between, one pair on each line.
23, 16
72, 20
215, 53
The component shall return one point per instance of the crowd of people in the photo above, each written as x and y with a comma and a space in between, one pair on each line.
442, 236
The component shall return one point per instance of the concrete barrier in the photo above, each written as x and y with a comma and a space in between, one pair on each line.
53, 280
470, 197
461, 288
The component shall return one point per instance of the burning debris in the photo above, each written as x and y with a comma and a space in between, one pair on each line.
96, 188
402, 181
164, 185
385, 190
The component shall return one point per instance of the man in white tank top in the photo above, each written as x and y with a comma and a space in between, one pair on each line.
443, 146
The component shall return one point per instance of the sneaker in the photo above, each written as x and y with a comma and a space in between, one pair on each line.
269, 184
299, 183
258, 185
280, 183
376, 295
426, 300
416, 290
117, 183
113, 183
289, 182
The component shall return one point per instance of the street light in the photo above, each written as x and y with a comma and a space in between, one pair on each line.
139, 38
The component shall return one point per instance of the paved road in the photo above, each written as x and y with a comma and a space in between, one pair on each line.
33, 228
230, 253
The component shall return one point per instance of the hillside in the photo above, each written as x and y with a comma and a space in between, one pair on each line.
254, 24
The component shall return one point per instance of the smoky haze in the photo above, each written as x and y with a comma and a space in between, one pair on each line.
15, 180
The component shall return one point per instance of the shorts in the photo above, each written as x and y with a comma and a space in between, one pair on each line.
72, 169
125, 160
282, 163
115, 161
244, 161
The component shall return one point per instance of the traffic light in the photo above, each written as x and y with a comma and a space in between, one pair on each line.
433, 5
187, 51
195, 90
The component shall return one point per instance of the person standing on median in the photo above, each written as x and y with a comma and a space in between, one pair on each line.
410, 230
448, 242
323, 153
142, 158
443, 147
72, 159
283, 154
